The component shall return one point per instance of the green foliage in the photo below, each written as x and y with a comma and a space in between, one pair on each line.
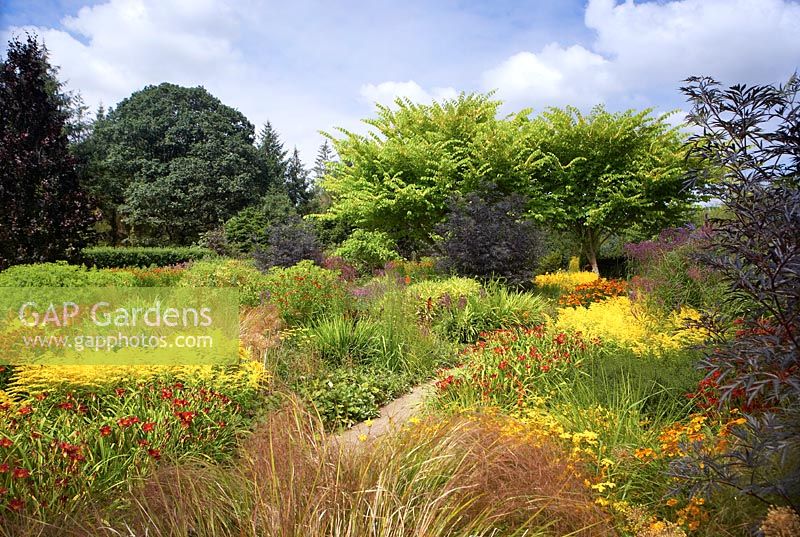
347, 396
252, 283
271, 152
45, 214
428, 296
297, 182
248, 230
114, 257
305, 292
398, 178
339, 340
368, 250
170, 154
498, 308
608, 171
61, 274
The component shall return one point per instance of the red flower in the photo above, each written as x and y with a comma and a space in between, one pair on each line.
142, 442
25, 410
105, 430
179, 403
156, 454
120, 392
16, 504
3, 491
185, 418
166, 393
149, 426
6, 442
3, 468
66, 405
21, 473
127, 422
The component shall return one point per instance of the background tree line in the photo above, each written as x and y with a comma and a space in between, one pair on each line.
171, 165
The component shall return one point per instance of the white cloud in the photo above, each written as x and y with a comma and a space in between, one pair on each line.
385, 93
554, 76
643, 50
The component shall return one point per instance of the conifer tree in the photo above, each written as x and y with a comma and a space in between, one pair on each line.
297, 182
272, 152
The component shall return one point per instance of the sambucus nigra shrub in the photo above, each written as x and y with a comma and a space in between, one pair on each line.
290, 242
750, 141
486, 235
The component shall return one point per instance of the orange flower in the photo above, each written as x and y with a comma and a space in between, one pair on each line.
105, 430
6, 442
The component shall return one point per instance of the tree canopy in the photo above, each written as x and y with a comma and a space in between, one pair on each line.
178, 162
45, 215
398, 178
608, 172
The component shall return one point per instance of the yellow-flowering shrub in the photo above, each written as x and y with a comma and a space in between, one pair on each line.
564, 281
620, 321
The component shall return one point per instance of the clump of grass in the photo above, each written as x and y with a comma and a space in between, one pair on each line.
464, 476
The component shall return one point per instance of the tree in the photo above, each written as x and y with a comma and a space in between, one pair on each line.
177, 162
290, 242
45, 215
608, 172
398, 178
487, 235
297, 182
270, 149
325, 155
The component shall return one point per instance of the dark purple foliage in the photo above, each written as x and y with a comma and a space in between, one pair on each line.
751, 142
44, 215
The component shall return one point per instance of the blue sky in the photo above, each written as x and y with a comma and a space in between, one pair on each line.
315, 65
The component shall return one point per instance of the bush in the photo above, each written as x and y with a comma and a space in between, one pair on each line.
347, 272
348, 396
431, 297
488, 238
368, 250
248, 230
60, 274
142, 256
339, 340
305, 292
252, 283
289, 243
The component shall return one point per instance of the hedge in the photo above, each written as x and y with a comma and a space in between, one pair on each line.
113, 257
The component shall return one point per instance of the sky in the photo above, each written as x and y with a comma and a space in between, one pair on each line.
317, 65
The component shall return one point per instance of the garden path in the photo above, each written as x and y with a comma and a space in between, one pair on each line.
392, 416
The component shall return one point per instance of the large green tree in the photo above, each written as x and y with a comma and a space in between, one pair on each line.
398, 178
44, 214
608, 172
176, 162
272, 153
297, 181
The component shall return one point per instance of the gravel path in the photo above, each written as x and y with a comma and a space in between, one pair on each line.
393, 416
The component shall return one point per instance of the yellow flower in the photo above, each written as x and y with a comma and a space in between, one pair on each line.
565, 281
362, 438
672, 502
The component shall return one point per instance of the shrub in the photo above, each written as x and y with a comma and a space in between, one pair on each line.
564, 281
617, 320
142, 256
433, 296
346, 271
485, 235
216, 241
411, 271
289, 243
248, 230
60, 274
368, 250
339, 340
749, 137
250, 281
305, 292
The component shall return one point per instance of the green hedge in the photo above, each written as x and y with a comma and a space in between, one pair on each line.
112, 257
60, 274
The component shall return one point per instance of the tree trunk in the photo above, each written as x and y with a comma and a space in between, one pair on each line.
591, 245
